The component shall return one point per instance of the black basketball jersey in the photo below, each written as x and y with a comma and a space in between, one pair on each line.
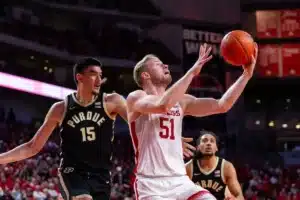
86, 135
212, 180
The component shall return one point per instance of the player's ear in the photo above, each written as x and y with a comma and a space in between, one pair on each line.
145, 75
79, 77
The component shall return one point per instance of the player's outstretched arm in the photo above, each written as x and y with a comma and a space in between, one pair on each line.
209, 106
32, 147
232, 182
139, 101
116, 105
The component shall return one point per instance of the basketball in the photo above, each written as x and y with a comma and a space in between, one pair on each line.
237, 47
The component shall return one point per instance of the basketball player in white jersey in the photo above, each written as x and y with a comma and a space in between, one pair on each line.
155, 116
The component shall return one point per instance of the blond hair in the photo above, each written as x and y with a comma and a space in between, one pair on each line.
140, 67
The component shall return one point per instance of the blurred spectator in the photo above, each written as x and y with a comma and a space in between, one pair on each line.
11, 117
16, 192
38, 194
2, 114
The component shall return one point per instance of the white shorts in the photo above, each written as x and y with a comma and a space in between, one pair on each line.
171, 188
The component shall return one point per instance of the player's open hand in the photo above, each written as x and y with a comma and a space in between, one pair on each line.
188, 150
204, 57
249, 68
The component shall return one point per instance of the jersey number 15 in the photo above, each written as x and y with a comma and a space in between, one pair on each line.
88, 133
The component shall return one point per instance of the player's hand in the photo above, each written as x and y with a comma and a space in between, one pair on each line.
249, 68
204, 57
188, 150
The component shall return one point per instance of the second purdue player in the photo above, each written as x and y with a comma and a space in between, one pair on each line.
213, 173
86, 120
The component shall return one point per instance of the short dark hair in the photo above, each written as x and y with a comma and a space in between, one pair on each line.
204, 132
82, 64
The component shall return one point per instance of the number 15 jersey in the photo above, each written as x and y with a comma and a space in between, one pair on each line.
157, 143
86, 135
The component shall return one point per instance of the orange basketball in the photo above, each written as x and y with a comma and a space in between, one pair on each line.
237, 47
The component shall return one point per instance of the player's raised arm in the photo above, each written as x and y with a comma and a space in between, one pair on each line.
32, 147
140, 101
208, 106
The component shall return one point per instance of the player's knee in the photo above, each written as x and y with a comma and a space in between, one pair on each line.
207, 196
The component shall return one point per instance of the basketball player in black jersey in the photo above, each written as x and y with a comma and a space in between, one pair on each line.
86, 120
213, 173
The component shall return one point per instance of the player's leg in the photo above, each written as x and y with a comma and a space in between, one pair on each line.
73, 186
190, 191
100, 185
101, 195
155, 198
151, 189
202, 195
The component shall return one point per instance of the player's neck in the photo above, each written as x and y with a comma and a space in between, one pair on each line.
154, 90
208, 162
84, 98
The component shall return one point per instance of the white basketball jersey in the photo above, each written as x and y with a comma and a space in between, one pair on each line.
157, 143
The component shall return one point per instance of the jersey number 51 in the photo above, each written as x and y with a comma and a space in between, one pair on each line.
167, 126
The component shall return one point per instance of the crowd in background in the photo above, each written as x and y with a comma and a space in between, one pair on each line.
270, 182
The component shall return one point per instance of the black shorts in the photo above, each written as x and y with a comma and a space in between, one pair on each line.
83, 183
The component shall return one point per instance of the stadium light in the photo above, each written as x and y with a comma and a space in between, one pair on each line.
271, 124
33, 86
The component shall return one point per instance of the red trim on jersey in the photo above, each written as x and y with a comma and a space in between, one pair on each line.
198, 194
135, 143
135, 189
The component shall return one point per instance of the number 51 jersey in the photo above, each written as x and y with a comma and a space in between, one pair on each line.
86, 135
157, 143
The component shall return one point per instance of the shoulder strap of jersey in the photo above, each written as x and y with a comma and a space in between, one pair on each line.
221, 167
98, 101
66, 103
71, 101
195, 166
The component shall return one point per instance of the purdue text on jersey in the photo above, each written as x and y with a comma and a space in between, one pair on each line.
86, 116
212, 180
87, 134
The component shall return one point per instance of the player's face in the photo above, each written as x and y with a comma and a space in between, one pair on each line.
91, 79
159, 72
208, 145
